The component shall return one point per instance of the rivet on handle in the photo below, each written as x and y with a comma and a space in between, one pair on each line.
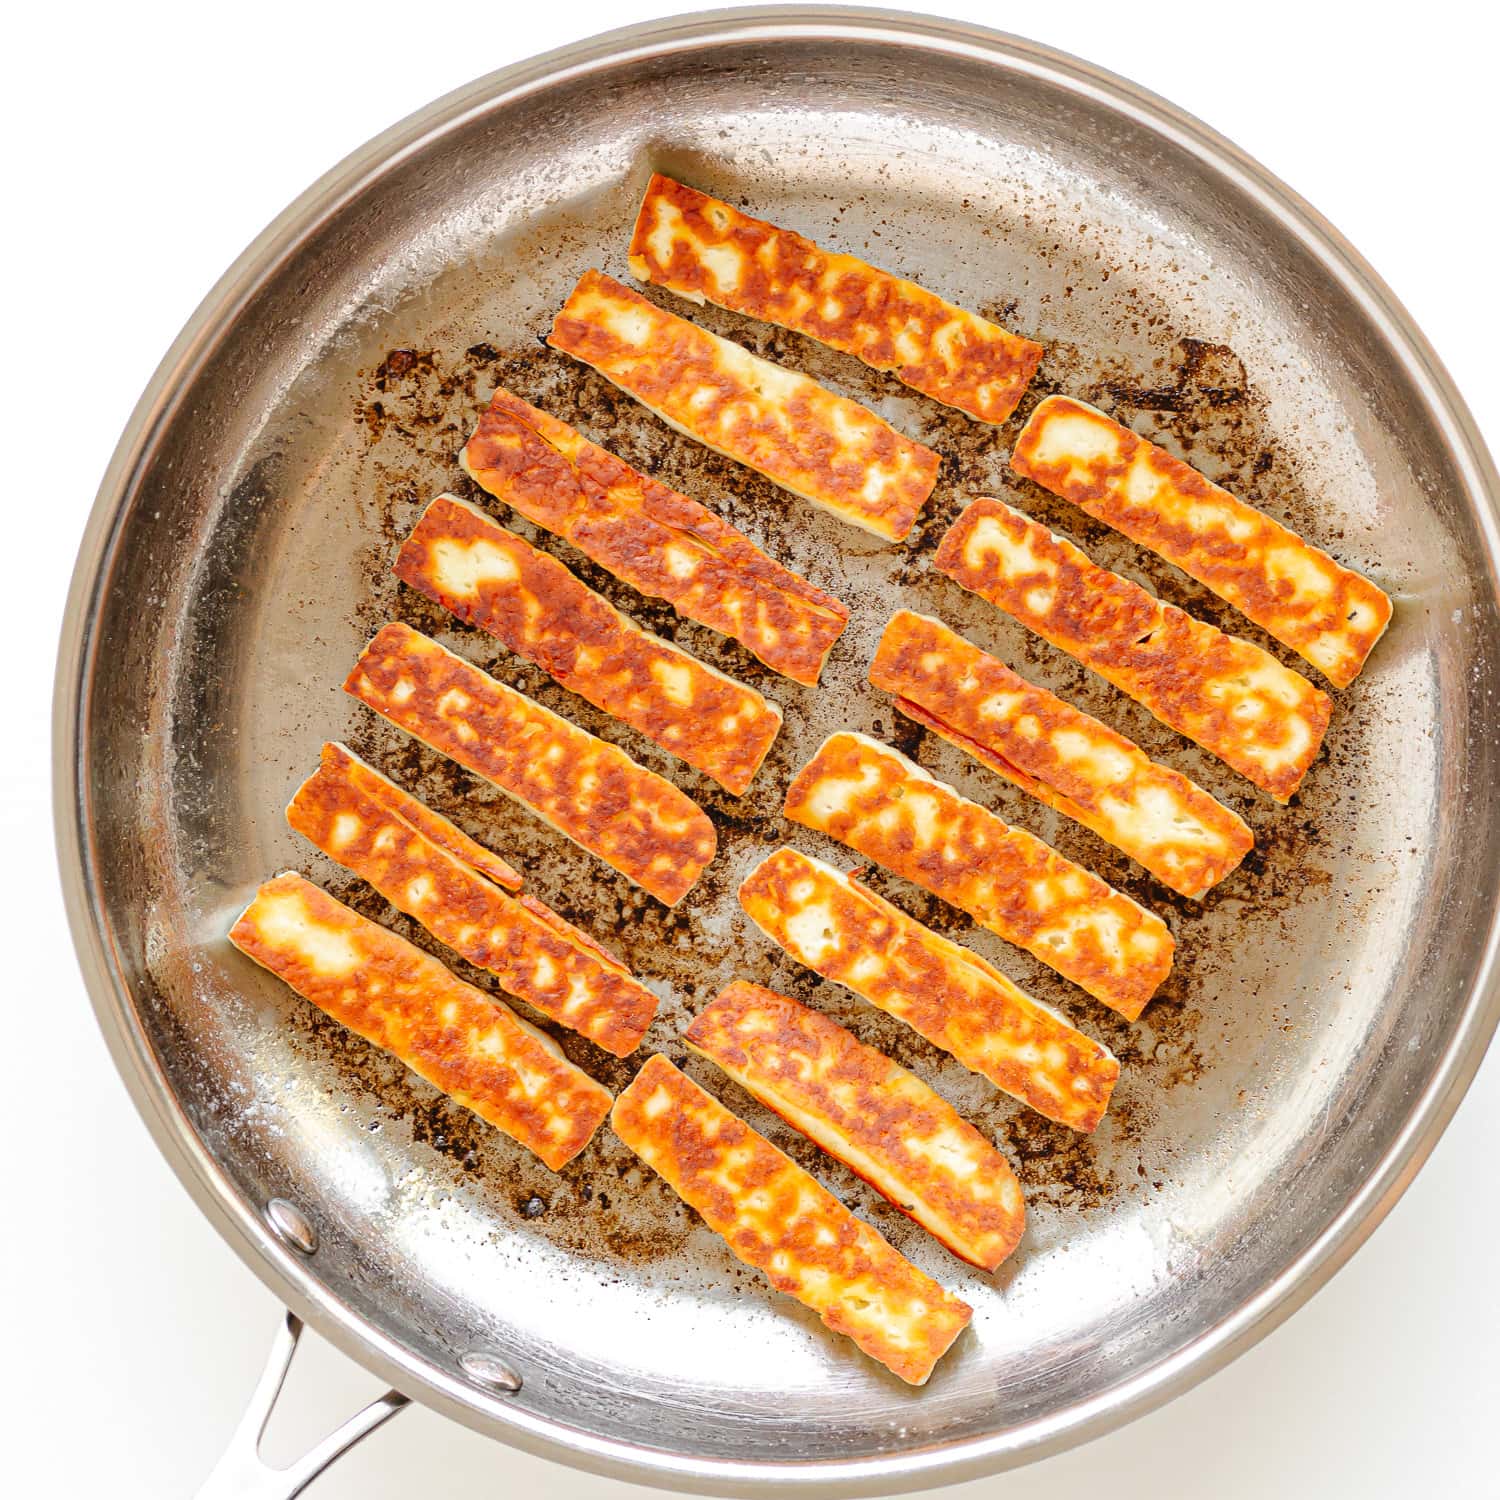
490, 1372
291, 1226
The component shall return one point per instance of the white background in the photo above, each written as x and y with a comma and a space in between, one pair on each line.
145, 146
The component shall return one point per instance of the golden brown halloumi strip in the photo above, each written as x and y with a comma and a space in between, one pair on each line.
818, 445
656, 540
588, 790
708, 251
879, 1120
400, 804
1327, 614
470, 1046
1059, 754
875, 800
342, 764
842, 930
779, 1219
345, 809
1237, 701
491, 578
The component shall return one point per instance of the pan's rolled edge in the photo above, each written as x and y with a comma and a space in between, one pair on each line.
463, 1042
536, 955
870, 1113
783, 1222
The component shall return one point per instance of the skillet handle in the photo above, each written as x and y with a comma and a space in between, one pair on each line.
241, 1475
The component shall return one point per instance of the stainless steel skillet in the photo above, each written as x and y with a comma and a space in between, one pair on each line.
1330, 1004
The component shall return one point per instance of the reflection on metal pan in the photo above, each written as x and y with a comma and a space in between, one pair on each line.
1331, 998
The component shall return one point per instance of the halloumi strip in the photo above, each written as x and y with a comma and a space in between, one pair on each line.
1237, 701
472, 1047
401, 805
783, 1222
820, 446
344, 765
491, 578
848, 934
586, 789
1059, 754
706, 250
536, 955
879, 1120
875, 800
656, 540
1329, 615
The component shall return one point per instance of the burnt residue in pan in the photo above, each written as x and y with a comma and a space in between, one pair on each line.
415, 409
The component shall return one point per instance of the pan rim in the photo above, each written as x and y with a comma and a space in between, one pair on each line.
238, 1221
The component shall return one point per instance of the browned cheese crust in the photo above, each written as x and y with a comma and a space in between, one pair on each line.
778, 1219
817, 444
706, 250
491, 578
1329, 615
845, 932
1234, 699
656, 540
394, 995
875, 800
1059, 754
393, 800
586, 789
879, 1120
345, 808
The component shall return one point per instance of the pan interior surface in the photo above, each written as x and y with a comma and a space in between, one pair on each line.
1316, 992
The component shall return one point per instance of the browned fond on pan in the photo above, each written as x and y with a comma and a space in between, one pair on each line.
656, 540
1329, 615
818, 445
782, 1221
535, 954
872, 798
456, 1037
878, 1119
1232, 698
1059, 754
587, 789
705, 249
492, 578
845, 932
